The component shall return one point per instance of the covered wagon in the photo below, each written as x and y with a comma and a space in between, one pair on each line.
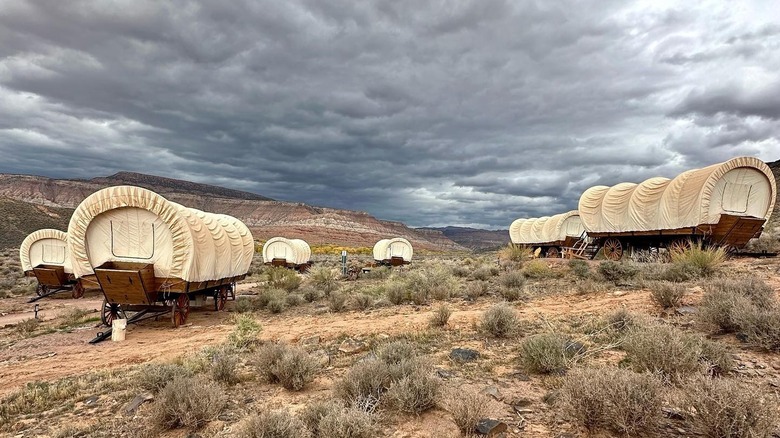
290, 253
725, 204
551, 234
394, 252
152, 256
44, 255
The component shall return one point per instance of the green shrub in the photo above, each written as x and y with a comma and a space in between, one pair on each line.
515, 253
292, 367
378, 273
758, 327
725, 297
273, 424
188, 402
441, 315
294, 299
476, 289
579, 268
365, 383
328, 419
500, 321
549, 353
223, 364
589, 286
674, 355
310, 294
27, 327
245, 332
337, 301
467, 406
277, 304
483, 273
396, 292
616, 271
154, 376
512, 280
416, 391
396, 352
667, 294
511, 294
283, 278
324, 279
244, 304
726, 408
612, 399
362, 301
267, 295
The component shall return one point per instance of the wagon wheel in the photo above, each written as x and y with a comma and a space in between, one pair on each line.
553, 253
180, 310
41, 290
680, 246
110, 312
613, 249
78, 290
220, 297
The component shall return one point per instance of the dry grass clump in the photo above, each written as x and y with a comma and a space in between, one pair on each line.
310, 294
703, 262
244, 304
154, 376
549, 353
273, 424
724, 297
395, 291
337, 301
512, 280
378, 273
467, 406
667, 294
484, 272
222, 364
500, 321
36, 397
476, 289
617, 272
27, 327
674, 355
727, 408
441, 315
538, 269
188, 402
612, 399
579, 268
434, 282
515, 253
362, 301
587, 286
329, 419
396, 377
323, 279
759, 327
244, 334
292, 367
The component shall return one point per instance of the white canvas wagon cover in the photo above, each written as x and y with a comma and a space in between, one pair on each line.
742, 186
295, 251
45, 247
133, 224
546, 229
386, 249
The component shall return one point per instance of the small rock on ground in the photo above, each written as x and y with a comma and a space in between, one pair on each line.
351, 346
490, 427
138, 401
464, 355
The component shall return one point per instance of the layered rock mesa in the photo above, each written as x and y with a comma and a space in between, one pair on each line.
264, 216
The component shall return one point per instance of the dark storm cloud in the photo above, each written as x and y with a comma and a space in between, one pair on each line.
468, 112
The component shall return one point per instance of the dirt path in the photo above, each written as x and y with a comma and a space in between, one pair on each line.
57, 355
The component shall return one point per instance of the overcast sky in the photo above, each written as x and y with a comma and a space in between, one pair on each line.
432, 113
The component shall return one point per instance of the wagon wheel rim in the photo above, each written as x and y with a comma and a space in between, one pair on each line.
220, 298
180, 310
680, 245
41, 290
613, 249
110, 312
78, 290
553, 253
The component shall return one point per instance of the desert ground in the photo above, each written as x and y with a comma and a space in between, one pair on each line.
565, 349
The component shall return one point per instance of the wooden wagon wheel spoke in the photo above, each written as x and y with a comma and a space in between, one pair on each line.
220, 298
110, 312
180, 310
680, 245
553, 253
78, 290
613, 249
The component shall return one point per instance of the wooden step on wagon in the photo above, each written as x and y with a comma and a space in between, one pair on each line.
723, 205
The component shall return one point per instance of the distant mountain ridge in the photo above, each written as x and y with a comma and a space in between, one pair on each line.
474, 238
265, 217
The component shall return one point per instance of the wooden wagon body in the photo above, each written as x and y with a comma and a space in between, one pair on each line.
549, 235
152, 256
43, 254
725, 205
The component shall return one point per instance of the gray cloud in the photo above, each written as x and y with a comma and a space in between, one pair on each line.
465, 113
